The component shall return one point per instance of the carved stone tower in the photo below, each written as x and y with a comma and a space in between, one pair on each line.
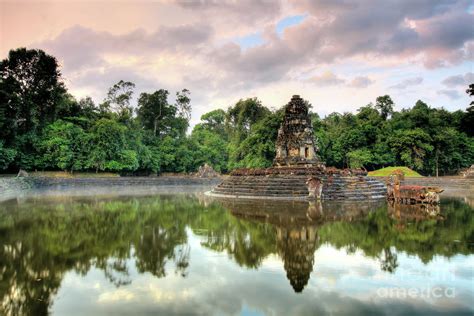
295, 143
296, 246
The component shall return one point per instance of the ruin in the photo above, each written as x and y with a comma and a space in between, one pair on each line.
411, 194
295, 144
206, 171
297, 231
468, 173
297, 171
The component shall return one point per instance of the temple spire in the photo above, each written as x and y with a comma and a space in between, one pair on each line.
295, 143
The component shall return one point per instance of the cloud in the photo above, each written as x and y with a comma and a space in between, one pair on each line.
195, 45
361, 82
435, 34
452, 94
437, 31
327, 78
459, 80
83, 46
407, 83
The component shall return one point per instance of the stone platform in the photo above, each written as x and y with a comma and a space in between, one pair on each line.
290, 184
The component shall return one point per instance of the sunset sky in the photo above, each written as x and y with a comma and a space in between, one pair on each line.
339, 55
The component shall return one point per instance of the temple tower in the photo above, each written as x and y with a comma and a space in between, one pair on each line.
295, 143
296, 246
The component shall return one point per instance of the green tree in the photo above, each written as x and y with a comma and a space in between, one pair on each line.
410, 147
258, 149
211, 149
157, 115
243, 115
183, 104
214, 121
359, 158
110, 148
385, 105
30, 86
64, 145
7, 155
118, 100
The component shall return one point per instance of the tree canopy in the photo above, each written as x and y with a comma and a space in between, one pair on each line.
44, 127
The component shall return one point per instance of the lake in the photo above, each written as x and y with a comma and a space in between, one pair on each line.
188, 253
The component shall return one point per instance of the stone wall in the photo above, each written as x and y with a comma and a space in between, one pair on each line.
450, 185
19, 187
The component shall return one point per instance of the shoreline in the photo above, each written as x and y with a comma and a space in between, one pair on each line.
13, 187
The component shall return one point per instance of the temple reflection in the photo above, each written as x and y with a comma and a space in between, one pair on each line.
43, 239
296, 225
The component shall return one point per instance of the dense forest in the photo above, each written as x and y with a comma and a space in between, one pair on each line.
43, 127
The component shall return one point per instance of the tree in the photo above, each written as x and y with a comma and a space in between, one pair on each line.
6, 156
157, 115
258, 149
243, 115
385, 105
411, 146
183, 104
211, 149
110, 150
470, 91
359, 158
214, 121
30, 89
467, 121
118, 99
153, 108
64, 145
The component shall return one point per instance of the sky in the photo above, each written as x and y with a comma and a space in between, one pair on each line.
338, 54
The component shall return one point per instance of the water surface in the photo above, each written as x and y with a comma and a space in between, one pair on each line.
191, 254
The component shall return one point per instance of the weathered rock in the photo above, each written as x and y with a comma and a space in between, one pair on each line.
22, 173
469, 173
315, 187
411, 194
206, 171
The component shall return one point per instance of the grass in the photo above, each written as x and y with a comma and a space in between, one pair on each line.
385, 172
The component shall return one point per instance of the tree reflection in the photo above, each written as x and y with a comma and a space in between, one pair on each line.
42, 239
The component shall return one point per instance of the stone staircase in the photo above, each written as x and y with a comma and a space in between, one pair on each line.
294, 187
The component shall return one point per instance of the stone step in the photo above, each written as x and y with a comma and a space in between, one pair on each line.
329, 197
302, 181
338, 188
346, 193
298, 180
299, 187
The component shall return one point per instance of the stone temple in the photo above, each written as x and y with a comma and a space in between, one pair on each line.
297, 172
295, 143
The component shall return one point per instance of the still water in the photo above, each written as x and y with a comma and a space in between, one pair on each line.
191, 254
